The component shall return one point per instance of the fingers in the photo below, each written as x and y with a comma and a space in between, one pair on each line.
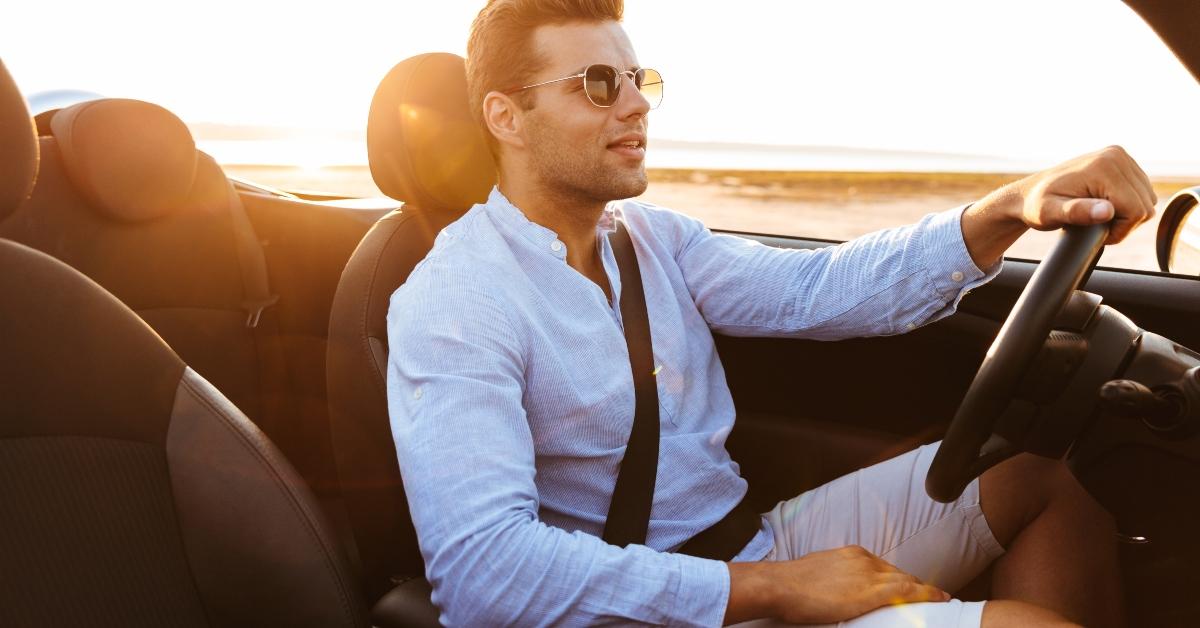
1129, 189
1137, 176
1112, 188
1089, 211
834, 585
893, 586
1086, 211
908, 590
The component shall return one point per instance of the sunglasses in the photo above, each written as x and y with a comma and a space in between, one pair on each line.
602, 84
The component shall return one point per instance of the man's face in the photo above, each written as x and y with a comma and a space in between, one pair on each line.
575, 148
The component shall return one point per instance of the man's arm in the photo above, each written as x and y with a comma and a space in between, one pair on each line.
895, 280
886, 282
1103, 186
466, 453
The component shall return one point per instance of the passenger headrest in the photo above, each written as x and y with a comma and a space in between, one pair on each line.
423, 144
42, 122
18, 146
131, 159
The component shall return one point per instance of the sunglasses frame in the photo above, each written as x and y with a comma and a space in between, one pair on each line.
632, 74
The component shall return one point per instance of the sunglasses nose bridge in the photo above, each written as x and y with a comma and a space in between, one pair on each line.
641, 103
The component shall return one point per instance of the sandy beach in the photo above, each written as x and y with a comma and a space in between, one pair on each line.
829, 205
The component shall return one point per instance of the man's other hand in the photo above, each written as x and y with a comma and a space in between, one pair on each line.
822, 587
1104, 186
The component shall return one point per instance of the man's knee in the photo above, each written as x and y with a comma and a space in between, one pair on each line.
1006, 613
1018, 490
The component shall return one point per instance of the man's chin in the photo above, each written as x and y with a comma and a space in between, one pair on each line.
631, 183
627, 188
639, 188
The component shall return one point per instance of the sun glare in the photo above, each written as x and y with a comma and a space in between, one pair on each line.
791, 73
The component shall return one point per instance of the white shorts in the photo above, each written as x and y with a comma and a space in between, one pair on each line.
884, 509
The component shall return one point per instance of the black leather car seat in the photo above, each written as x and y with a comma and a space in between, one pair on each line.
125, 198
132, 493
425, 149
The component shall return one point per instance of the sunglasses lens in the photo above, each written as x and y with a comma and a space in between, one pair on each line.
601, 84
650, 83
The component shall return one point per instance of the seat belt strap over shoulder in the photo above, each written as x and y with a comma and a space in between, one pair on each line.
629, 511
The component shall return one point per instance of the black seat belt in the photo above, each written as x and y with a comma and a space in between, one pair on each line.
251, 262
274, 413
629, 511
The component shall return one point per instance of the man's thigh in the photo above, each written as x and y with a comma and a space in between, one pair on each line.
884, 508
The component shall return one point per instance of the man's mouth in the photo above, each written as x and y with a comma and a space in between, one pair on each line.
633, 147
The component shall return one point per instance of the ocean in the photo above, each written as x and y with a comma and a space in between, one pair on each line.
686, 155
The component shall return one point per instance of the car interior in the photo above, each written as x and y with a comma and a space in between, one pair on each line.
195, 427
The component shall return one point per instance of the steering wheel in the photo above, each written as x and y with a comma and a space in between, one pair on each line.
970, 447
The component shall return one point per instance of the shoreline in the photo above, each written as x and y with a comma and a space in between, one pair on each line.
831, 205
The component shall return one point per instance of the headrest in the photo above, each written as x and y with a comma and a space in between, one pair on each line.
423, 144
18, 146
131, 159
42, 122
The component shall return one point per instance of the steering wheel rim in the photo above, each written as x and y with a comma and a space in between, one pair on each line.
970, 447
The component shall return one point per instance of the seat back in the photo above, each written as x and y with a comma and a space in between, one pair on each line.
425, 149
124, 197
133, 493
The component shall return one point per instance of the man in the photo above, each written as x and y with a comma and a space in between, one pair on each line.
511, 396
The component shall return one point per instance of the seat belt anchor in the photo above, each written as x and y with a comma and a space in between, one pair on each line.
254, 309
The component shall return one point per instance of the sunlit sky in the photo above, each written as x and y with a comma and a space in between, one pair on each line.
1033, 79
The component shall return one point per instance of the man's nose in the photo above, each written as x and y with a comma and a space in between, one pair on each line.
630, 101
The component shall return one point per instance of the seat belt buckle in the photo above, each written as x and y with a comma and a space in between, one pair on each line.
254, 309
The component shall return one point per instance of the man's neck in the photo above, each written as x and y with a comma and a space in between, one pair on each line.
572, 219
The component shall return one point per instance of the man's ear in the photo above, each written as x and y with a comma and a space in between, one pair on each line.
503, 118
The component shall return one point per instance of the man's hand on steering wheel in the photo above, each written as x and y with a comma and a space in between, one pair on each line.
1099, 187
1101, 196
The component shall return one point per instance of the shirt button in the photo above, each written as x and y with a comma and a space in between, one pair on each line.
417, 392
556, 246
910, 326
956, 276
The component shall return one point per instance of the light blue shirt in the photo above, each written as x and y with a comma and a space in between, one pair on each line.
511, 398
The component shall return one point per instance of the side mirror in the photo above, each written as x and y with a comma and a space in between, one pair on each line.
1178, 245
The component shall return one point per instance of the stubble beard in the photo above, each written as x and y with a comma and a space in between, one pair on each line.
580, 174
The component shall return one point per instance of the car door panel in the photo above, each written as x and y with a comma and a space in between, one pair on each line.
809, 411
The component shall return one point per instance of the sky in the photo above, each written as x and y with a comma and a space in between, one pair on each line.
1040, 80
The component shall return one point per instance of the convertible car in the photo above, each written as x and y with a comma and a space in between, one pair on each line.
193, 428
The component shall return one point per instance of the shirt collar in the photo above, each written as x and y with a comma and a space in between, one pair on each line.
511, 216
609, 218
542, 237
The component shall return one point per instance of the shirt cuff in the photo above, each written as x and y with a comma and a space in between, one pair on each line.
703, 591
951, 269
